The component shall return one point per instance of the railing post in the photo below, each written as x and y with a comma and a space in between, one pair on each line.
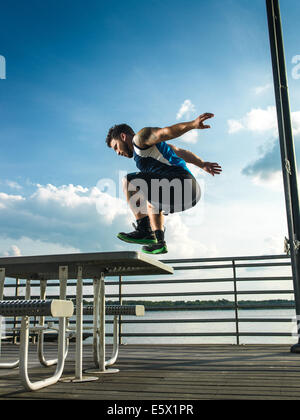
120, 316
15, 336
236, 304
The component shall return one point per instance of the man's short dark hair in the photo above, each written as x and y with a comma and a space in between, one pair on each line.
115, 131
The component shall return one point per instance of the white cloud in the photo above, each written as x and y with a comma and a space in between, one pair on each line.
258, 120
182, 241
274, 181
234, 126
11, 184
296, 123
262, 120
261, 89
190, 137
7, 200
242, 227
186, 110
65, 195
68, 216
274, 244
28, 246
266, 170
13, 251
78, 197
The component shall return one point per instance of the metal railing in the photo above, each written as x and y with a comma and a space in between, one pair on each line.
183, 270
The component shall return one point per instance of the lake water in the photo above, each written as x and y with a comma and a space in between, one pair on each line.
164, 325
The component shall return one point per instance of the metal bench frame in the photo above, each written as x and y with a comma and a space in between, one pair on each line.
40, 307
27, 308
115, 310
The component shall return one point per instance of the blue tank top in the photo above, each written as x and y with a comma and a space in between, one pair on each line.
159, 159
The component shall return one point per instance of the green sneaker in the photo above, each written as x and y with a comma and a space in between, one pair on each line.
138, 236
158, 248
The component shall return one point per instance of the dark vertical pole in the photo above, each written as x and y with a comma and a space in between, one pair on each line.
288, 159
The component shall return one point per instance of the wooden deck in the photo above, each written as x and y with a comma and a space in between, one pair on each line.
169, 372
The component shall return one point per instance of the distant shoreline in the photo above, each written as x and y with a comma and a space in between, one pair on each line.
221, 304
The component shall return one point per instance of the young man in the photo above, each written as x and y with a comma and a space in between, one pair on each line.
164, 184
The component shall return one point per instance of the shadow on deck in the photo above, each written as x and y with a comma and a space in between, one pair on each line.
168, 372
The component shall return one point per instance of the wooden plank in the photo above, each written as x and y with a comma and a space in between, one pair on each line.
149, 372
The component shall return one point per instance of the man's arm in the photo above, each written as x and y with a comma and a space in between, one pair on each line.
190, 157
187, 156
149, 136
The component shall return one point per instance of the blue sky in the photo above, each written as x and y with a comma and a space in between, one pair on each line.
75, 68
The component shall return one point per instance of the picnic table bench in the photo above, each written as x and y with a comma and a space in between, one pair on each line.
81, 266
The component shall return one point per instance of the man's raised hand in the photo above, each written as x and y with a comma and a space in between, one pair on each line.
199, 120
212, 168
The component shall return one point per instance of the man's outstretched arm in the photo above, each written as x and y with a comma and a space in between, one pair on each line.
149, 136
190, 157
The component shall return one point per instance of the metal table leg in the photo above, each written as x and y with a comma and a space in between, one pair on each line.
99, 339
41, 356
79, 341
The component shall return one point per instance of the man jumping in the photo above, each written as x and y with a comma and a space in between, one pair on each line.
164, 184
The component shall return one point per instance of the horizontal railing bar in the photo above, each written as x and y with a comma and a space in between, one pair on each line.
284, 278
233, 334
264, 292
36, 283
172, 320
215, 334
206, 267
210, 293
242, 258
131, 282
209, 308
170, 294
287, 264
197, 320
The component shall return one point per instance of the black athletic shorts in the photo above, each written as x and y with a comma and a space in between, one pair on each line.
171, 193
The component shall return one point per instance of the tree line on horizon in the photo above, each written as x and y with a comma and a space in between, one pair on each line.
204, 304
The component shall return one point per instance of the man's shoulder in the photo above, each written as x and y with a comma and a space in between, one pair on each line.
142, 136
145, 136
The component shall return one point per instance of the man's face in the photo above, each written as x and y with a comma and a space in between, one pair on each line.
121, 148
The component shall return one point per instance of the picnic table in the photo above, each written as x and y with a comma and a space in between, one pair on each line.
96, 266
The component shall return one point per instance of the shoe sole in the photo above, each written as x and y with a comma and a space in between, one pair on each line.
162, 250
137, 241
